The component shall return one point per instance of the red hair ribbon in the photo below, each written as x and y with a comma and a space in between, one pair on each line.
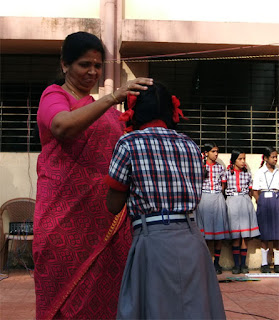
128, 129
176, 111
131, 101
128, 114
230, 165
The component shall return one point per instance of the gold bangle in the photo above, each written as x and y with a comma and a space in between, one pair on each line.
114, 98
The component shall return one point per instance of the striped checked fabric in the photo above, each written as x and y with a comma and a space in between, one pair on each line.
162, 167
216, 174
239, 182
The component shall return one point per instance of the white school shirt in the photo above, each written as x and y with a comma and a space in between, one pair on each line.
266, 180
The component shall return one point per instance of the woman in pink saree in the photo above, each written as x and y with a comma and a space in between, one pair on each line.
79, 248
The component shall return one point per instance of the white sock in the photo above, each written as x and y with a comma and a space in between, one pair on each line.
276, 257
264, 256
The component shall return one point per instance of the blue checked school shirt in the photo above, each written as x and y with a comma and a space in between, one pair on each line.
161, 169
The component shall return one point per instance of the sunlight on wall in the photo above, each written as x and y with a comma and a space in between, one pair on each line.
186, 10
18, 175
19, 179
52, 8
204, 10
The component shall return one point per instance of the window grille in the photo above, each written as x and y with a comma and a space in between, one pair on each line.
18, 113
234, 103
23, 79
248, 127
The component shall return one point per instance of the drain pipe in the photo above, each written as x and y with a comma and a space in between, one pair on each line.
118, 34
108, 7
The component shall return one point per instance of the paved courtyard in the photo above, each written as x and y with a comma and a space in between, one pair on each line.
242, 300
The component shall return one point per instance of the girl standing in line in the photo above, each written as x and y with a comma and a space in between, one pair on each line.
211, 214
242, 216
158, 173
266, 193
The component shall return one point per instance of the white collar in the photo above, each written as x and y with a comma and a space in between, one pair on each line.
265, 169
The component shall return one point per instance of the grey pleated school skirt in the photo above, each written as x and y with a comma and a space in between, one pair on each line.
242, 217
212, 216
169, 275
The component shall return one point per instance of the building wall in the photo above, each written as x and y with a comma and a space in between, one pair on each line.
164, 27
203, 10
19, 178
184, 10
18, 175
200, 32
183, 21
45, 28
52, 8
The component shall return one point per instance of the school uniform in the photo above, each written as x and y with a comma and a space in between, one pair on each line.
211, 213
268, 203
241, 212
169, 273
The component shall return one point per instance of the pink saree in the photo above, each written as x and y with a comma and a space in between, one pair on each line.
79, 248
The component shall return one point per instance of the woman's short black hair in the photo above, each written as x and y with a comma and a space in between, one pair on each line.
151, 104
77, 44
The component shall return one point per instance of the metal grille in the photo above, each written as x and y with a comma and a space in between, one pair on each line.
233, 103
18, 114
233, 126
23, 79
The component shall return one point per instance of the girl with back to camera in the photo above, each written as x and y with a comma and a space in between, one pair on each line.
266, 193
211, 213
158, 173
242, 216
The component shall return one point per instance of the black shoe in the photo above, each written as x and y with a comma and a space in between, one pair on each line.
276, 268
236, 270
218, 268
244, 269
265, 269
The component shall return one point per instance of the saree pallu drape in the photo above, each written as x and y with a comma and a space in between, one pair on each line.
79, 249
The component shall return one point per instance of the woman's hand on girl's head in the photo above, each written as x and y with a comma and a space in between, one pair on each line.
133, 87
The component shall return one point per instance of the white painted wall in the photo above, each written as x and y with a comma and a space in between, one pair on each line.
52, 8
186, 10
18, 178
204, 10
18, 175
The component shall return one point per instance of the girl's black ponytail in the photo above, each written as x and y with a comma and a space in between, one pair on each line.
205, 171
231, 167
262, 163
